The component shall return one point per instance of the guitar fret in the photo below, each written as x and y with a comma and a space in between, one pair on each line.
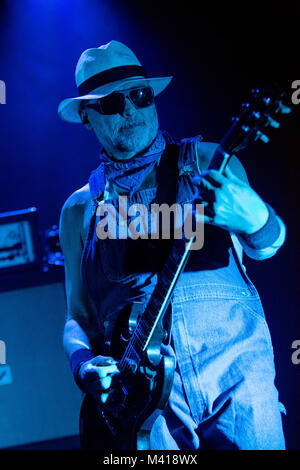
139, 335
130, 359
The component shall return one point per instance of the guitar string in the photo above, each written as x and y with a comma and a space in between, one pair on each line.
138, 338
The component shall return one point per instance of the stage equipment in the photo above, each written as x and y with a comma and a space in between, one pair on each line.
19, 240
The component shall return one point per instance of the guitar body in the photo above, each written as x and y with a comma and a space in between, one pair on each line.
124, 421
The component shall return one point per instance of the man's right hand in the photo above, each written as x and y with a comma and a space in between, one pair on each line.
96, 376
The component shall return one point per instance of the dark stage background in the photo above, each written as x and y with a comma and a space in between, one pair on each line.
215, 61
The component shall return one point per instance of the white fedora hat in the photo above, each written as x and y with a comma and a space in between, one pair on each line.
105, 69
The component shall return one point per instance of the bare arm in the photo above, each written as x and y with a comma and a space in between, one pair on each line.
77, 301
74, 337
94, 373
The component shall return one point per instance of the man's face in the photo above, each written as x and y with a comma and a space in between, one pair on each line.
125, 135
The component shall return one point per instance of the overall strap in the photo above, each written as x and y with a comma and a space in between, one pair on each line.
187, 162
167, 175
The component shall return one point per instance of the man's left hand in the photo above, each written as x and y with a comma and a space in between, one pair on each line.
230, 203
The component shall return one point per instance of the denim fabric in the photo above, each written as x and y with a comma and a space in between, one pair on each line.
223, 395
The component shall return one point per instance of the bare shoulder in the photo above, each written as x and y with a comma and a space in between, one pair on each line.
72, 215
78, 200
205, 153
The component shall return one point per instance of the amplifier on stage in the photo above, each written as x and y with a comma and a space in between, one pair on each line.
19, 240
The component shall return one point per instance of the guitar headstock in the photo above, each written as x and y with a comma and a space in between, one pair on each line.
262, 110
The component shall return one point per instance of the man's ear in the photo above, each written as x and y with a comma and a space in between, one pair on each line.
85, 119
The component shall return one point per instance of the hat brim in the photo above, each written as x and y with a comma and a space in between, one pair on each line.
68, 109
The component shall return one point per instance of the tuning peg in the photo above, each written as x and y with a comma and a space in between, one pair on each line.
246, 129
267, 100
284, 109
273, 123
256, 114
255, 92
262, 137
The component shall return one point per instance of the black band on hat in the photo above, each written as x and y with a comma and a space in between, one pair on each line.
110, 75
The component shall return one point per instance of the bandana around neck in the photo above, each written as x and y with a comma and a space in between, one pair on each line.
129, 174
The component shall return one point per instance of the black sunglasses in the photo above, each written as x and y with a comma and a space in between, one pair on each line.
114, 103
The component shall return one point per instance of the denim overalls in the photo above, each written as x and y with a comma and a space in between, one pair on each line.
223, 396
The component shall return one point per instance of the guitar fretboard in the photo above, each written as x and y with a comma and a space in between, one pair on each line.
164, 289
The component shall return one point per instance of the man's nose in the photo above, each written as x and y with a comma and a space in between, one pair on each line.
129, 108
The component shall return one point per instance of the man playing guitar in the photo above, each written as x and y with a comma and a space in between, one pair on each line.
223, 394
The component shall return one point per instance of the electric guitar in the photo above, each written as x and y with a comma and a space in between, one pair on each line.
146, 375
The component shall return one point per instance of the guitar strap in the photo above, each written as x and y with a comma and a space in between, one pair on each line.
177, 160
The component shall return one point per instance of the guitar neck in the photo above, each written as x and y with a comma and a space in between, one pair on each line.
163, 291
166, 284
220, 160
